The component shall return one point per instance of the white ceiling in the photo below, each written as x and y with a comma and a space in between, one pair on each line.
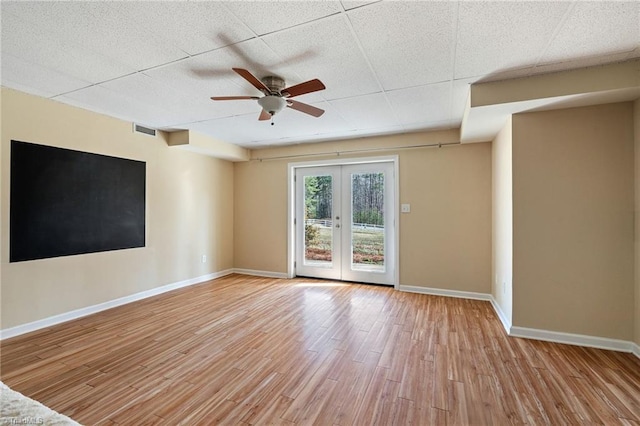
389, 67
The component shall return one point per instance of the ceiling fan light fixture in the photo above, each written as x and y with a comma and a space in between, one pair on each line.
272, 104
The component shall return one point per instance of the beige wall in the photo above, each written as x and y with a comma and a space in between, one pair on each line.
189, 213
636, 121
573, 201
260, 225
445, 242
502, 262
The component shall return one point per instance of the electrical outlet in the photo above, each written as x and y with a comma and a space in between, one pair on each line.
204, 258
504, 288
405, 208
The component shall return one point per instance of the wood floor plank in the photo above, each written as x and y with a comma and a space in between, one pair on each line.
315, 383
373, 398
251, 350
439, 397
272, 412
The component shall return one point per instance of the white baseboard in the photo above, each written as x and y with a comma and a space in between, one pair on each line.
531, 333
501, 315
572, 339
266, 274
82, 312
444, 292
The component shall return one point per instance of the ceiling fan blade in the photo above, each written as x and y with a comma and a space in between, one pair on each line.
252, 79
303, 88
306, 108
232, 98
264, 115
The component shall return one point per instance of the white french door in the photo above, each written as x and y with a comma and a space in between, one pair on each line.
345, 217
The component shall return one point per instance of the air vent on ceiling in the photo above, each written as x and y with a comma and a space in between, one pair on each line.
144, 130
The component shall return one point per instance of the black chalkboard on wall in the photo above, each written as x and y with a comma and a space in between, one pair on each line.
65, 202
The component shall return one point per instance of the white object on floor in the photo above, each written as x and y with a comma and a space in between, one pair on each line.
16, 408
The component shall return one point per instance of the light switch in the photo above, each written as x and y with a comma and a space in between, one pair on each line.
405, 208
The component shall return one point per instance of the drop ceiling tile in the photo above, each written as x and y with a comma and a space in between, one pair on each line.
182, 107
192, 111
36, 79
107, 102
199, 77
366, 112
194, 27
423, 104
196, 92
494, 36
119, 36
98, 27
216, 66
407, 43
265, 17
596, 28
332, 55
237, 129
144, 89
580, 63
214, 110
33, 44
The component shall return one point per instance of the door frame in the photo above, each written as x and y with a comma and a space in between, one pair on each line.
291, 207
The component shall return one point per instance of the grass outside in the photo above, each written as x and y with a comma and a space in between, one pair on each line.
368, 246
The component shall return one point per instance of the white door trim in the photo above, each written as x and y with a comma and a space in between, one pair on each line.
291, 235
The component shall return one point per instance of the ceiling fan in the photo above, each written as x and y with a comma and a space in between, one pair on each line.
276, 95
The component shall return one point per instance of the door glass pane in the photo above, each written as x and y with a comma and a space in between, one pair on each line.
367, 224
318, 227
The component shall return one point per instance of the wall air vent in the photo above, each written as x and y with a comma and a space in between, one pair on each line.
137, 128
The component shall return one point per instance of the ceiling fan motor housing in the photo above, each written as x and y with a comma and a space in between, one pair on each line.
274, 83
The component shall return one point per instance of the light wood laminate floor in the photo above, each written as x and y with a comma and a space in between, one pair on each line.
247, 350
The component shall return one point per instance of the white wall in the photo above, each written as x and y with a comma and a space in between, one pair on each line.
502, 247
